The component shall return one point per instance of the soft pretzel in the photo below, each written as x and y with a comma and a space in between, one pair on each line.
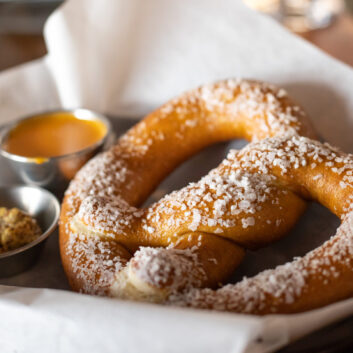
194, 237
314, 171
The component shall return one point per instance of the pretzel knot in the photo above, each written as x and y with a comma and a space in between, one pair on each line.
197, 236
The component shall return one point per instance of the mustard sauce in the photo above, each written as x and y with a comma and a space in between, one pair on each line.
53, 135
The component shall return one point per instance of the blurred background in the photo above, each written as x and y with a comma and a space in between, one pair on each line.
328, 24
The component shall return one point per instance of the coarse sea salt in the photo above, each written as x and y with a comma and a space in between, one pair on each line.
103, 195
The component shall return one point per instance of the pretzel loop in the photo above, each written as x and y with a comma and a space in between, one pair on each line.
324, 275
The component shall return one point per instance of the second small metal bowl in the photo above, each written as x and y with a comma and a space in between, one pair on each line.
54, 173
42, 206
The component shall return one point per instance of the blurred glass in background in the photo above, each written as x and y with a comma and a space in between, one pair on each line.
301, 15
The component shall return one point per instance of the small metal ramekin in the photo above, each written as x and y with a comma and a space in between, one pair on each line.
41, 205
54, 173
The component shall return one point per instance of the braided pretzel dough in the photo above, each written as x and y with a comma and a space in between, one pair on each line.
325, 275
194, 237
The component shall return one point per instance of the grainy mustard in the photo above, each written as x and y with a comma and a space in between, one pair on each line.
17, 229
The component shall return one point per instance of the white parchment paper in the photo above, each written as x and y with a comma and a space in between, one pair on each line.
125, 58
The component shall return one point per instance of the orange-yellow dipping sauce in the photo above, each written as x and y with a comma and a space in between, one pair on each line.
52, 135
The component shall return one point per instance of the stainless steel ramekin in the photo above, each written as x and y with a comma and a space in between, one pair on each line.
54, 173
41, 205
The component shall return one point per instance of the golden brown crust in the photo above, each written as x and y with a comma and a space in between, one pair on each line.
197, 234
324, 275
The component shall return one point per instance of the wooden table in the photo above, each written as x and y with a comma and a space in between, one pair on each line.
336, 40
19, 48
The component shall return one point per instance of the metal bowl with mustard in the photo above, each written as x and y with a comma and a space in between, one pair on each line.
44, 208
